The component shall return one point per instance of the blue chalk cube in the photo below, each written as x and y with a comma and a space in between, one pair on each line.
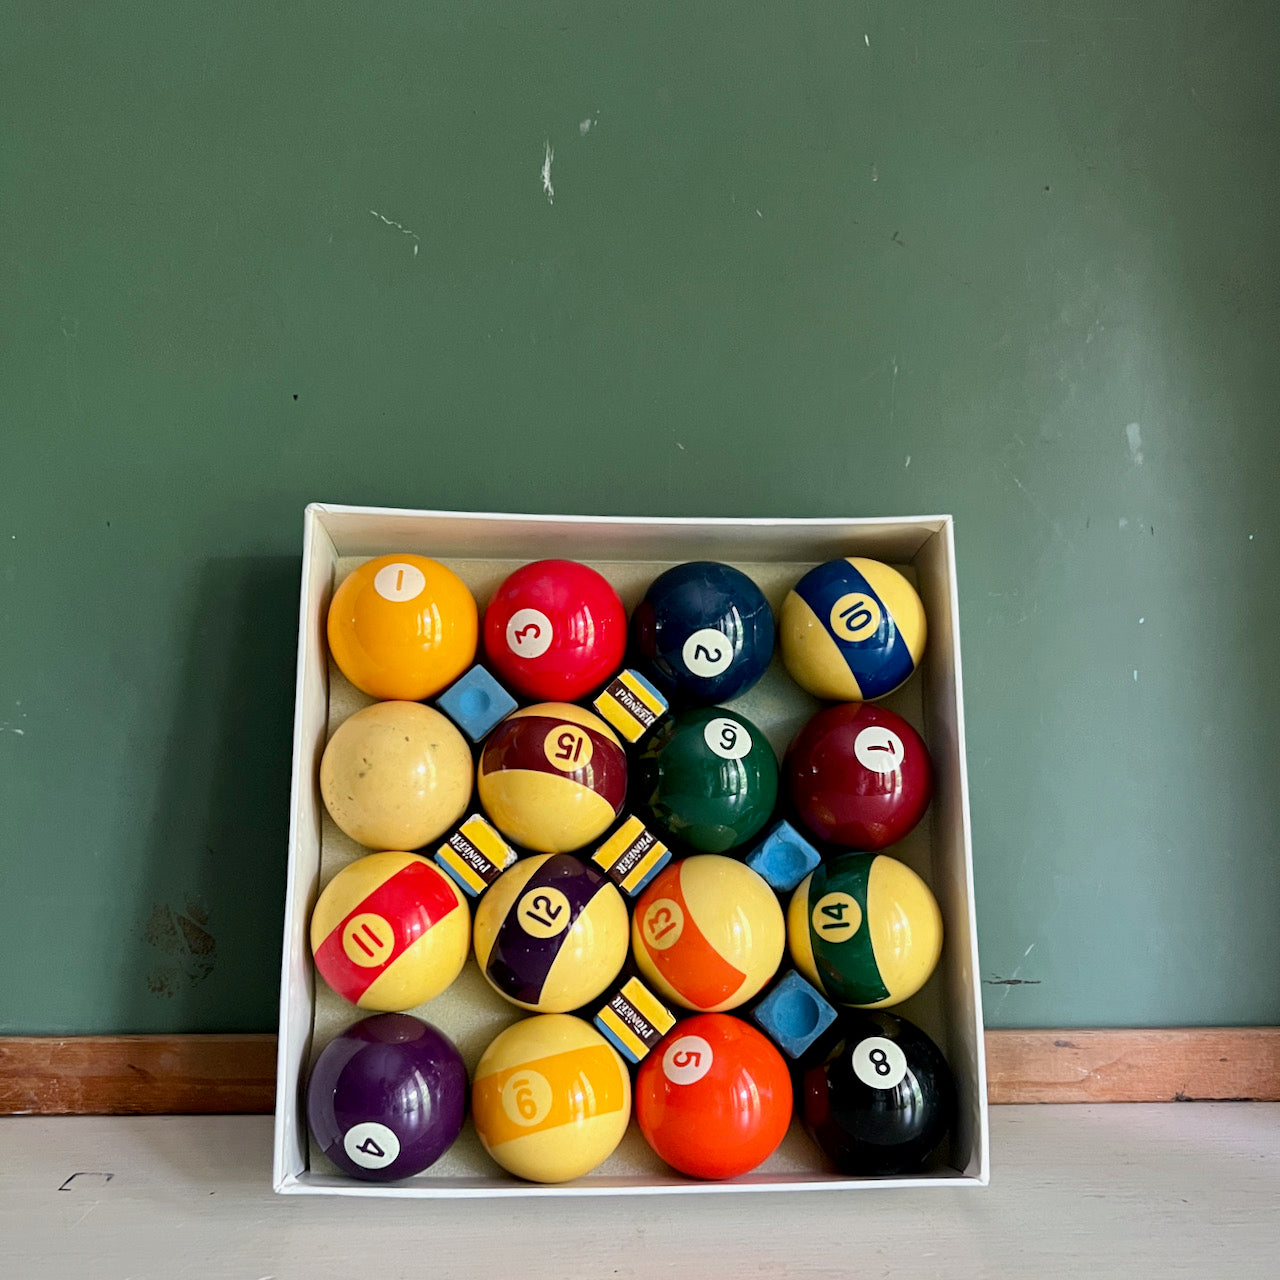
793, 1014
784, 857
476, 703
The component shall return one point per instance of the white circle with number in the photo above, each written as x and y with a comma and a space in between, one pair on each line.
686, 1060
371, 1145
879, 749
707, 652
544, 913
529, 633
879, 1063
727, 738
399, 582
526, 1098
855, 617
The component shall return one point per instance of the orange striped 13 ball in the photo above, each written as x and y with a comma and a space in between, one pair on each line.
708, 933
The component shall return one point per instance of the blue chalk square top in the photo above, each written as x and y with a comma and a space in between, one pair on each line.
793, 1014
476, 703
784, 857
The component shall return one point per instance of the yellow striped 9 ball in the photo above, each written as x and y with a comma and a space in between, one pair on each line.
551, 1098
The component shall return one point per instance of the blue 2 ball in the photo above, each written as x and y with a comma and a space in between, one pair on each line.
704, 632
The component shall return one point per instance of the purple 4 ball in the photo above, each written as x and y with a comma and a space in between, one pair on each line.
387, 1097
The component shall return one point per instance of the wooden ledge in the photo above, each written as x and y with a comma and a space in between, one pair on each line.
202, 1074
137, 1075
1195, 1064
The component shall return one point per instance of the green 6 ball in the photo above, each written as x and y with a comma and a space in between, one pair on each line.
709, 778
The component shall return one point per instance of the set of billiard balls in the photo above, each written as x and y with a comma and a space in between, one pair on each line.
550, 1097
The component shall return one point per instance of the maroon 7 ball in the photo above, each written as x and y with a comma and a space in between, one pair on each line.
387, 1097
859, 775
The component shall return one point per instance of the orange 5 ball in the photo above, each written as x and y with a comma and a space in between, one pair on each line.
714, 1098
403, 626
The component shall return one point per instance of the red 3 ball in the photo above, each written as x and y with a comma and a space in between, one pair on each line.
555, 630
859, 775
714, 1098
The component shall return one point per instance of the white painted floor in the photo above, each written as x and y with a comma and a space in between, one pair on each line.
1126, 1191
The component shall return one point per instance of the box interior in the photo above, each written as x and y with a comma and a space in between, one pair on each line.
483, 550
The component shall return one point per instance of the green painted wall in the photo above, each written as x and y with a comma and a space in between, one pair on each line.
1018, 262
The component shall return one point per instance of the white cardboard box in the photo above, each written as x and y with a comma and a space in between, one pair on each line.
630, 551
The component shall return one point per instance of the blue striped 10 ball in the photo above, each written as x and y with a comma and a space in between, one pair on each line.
852, 630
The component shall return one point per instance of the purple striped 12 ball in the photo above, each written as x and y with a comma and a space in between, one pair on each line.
551, 933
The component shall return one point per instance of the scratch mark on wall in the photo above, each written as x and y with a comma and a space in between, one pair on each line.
547, 158
1035, 506
400, 227
1133, 433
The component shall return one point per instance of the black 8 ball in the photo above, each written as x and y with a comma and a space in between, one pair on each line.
884, 1099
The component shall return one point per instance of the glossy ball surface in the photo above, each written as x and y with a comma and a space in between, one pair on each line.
551, 933
387, 1097
865, 930
402, 626
859, 776
852, 630
396, 775
390, 931
708, 933
551, 1098
709, 779
714, 1098
555, 630
884, 1101
704, 632
553, 777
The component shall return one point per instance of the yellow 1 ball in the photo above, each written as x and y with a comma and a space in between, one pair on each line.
551, 1098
